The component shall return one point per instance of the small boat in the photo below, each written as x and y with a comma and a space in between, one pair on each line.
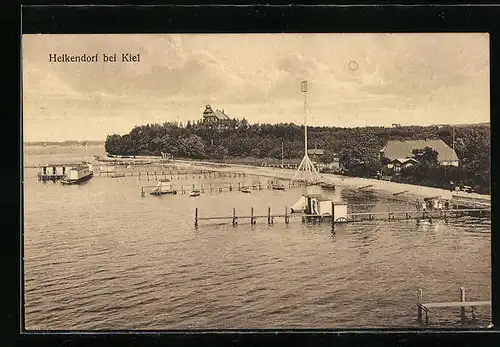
117, 175
278, 187
195, 192
245, 190
326, 185
163, 187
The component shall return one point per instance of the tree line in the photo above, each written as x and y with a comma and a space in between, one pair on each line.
357, 148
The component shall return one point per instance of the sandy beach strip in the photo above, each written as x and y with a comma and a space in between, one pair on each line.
387, 187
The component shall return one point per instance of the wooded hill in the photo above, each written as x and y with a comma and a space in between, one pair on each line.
357, 148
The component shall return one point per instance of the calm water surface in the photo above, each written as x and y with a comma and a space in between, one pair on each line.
99, 256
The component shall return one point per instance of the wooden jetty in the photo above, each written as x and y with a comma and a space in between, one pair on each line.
252, 217
169, 174
418, 214
221, 187
350, 217
462, 304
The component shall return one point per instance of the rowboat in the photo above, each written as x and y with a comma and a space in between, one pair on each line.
278, 187
195, 192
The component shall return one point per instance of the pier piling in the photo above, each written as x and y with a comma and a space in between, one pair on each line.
462, 299
419, 305
196, 218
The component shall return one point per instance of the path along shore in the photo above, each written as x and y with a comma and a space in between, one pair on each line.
381, 186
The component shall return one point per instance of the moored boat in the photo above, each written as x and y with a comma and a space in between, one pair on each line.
326, 185
245, 190
278, 186
195, 192
163, 187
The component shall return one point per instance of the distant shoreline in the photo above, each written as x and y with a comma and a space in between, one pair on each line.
63, 143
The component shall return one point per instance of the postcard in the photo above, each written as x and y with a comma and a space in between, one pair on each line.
256, 181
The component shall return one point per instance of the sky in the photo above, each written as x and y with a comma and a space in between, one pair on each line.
353, 80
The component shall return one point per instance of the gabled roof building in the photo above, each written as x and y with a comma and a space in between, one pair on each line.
214, 117
400, 149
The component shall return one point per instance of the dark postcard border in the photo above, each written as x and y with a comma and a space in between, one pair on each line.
253, 19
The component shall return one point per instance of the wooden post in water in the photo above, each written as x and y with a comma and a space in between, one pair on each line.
234, 216
286, 215
196, 218
419, 307
269, 215
251, 216
142, 192
462, 299
333, 216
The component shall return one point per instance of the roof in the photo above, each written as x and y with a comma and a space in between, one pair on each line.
60, 164
220, 114
315, 151
405, 160
403, 149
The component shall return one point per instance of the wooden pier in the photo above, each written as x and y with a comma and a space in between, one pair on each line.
462, 304
170, 174
418, 214
352, 216
252, 217
221, 187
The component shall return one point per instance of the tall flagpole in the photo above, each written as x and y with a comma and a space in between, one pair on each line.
306, 170
304, 90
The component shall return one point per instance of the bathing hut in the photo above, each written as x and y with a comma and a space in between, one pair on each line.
317, 205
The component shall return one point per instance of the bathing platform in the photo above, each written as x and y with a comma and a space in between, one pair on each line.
426, 308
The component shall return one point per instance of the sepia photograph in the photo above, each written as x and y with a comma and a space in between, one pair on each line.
256, 181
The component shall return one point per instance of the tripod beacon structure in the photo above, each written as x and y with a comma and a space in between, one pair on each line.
306, 172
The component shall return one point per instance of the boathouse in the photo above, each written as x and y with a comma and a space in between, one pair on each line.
399, 149
52, 172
